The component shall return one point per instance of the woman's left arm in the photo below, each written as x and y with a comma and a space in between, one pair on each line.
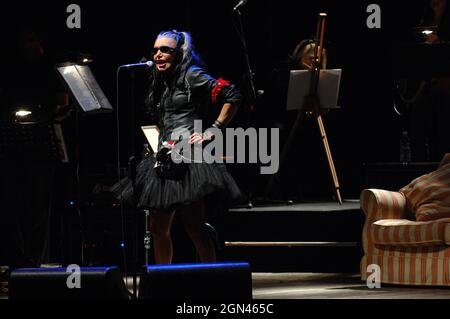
222, 92
227, 113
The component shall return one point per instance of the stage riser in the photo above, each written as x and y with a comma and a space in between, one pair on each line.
340, 228
297, 259
343, 226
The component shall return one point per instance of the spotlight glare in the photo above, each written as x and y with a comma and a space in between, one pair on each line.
23, 113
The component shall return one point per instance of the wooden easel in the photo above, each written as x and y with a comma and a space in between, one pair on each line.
312, 107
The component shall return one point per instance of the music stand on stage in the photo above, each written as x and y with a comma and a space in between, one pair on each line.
311, 91
89, 97
328, 90
84, 88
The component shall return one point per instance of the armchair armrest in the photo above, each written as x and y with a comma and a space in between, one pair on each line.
380, 204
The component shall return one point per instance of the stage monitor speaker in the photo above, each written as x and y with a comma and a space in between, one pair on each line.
197, 281
54, 283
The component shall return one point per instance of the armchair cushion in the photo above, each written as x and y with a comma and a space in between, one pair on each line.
428, 196
402, 232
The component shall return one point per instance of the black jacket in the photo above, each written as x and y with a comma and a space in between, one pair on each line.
191, 100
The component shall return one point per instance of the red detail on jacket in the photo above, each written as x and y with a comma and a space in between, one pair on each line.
220, 84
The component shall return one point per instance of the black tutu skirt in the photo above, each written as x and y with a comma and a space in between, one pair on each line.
201, 181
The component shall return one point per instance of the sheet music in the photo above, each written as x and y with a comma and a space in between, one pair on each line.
84, 87
151, 133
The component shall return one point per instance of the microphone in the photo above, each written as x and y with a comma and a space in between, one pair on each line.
240, 4
136, 65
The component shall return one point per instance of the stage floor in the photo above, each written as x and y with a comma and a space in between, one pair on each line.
334, 286
347, 205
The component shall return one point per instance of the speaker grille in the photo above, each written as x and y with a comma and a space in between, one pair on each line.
197, 281
51, 283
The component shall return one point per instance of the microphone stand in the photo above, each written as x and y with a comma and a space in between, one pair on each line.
249, 71
253, 100
132, 166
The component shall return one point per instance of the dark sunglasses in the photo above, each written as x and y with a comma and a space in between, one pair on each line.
163, 49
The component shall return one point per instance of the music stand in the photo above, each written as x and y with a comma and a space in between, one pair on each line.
327, 94
84, 88
328, 89
310, 102
42, 141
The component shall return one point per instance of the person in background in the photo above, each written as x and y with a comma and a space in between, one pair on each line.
430, 106
31, 84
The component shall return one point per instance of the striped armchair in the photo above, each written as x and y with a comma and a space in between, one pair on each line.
407, 252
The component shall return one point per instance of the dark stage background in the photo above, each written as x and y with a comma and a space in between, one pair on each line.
366, 129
